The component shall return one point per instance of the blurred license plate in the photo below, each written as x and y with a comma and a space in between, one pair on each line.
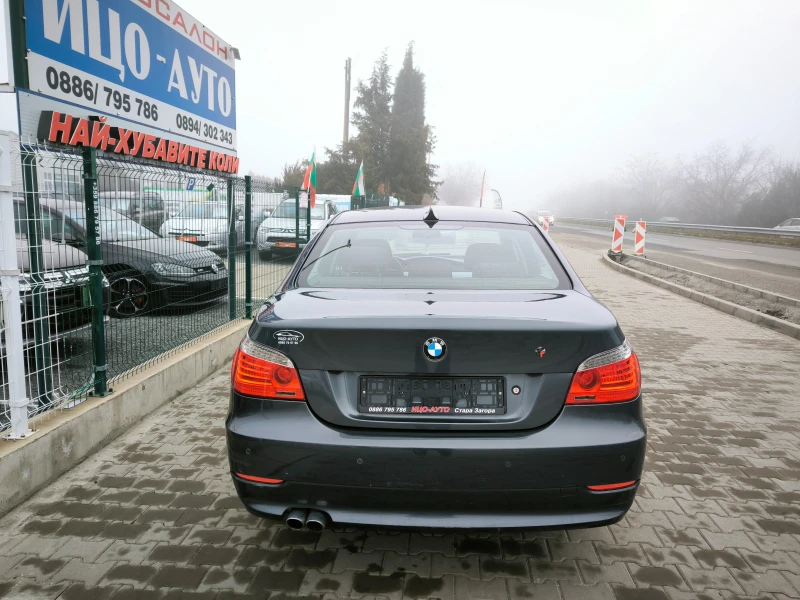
187, 238
286, 245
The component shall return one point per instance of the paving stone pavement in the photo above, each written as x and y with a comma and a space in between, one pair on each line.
154, 514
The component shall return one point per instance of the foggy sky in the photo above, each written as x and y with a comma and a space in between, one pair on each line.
540, 94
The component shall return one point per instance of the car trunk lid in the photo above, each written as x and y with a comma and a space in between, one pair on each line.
533, 341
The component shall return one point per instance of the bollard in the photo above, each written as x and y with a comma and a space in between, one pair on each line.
619, 233
638, 240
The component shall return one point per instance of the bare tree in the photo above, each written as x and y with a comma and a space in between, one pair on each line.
716, 184
461, 184
650, 182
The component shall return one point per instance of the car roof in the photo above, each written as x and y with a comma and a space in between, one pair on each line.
442, 213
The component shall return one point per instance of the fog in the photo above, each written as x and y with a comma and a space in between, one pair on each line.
538, 94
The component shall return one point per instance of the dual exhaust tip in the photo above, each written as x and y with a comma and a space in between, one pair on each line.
313, 520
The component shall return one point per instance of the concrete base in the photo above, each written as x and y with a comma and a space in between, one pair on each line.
65, 438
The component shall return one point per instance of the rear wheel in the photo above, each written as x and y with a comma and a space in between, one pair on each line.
128, 296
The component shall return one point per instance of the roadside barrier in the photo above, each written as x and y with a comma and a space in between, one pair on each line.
638, 239
619, 233
546, 225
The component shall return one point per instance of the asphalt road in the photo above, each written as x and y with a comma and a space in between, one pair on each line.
772, 268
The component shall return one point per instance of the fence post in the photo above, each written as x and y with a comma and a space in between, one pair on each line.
41, 324
297, 221
248, 247
9, 288
231, 252
95, 262
308, 221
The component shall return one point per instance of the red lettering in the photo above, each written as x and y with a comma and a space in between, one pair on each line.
59, 127
81, 134
193, 150
147, 3
183, 154
138, 140
235, 165
212, 160
207, 35
124, 137
195, 30
228, 163
224, 50
178, 21
164, 16
172, 152
149, 148
101, 133
201, 158
161, 150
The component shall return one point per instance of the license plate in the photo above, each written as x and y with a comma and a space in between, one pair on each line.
286, 245
187, 238
442, 396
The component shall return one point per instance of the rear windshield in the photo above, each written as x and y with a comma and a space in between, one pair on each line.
405, 255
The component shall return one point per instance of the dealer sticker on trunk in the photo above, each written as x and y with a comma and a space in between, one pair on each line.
288, 337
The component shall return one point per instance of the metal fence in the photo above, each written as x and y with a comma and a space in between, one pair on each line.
121, 263
686, 227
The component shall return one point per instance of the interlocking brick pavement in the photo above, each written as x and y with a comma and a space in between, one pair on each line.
154, 514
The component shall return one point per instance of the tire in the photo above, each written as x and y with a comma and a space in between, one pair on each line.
265, 255
128, 296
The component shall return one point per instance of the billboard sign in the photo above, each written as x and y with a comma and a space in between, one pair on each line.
145, 61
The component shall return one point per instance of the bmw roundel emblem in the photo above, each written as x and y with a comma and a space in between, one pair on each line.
434, 348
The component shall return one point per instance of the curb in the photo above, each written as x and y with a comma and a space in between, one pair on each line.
68, 437
750, 291
729, 308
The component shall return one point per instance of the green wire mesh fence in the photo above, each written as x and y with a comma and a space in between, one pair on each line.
175, 247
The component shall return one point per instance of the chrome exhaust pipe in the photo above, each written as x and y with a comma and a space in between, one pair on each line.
316, 521
296, 519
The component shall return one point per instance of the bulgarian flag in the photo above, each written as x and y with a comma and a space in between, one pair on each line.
310, 180
358, 186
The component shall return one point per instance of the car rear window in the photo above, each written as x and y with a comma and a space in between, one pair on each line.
406, 255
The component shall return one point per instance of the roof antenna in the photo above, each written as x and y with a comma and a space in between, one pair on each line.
431, 219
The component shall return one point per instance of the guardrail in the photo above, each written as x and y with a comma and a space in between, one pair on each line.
678, 227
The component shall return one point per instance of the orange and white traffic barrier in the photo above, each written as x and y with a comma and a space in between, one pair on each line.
546, 225
619, 233
638, 238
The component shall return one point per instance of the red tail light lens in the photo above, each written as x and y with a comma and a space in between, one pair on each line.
262, 372
612, 376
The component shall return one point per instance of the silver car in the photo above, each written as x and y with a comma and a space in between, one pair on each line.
277, 234
204, 224
790, 224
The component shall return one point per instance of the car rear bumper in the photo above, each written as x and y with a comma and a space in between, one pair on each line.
524, 479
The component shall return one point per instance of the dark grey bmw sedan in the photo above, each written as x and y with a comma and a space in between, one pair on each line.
435, 367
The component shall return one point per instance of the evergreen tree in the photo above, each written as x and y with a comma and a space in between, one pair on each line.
337, 174
372, 116
410, 139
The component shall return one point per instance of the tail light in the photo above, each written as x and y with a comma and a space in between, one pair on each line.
611, 376
262, 372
